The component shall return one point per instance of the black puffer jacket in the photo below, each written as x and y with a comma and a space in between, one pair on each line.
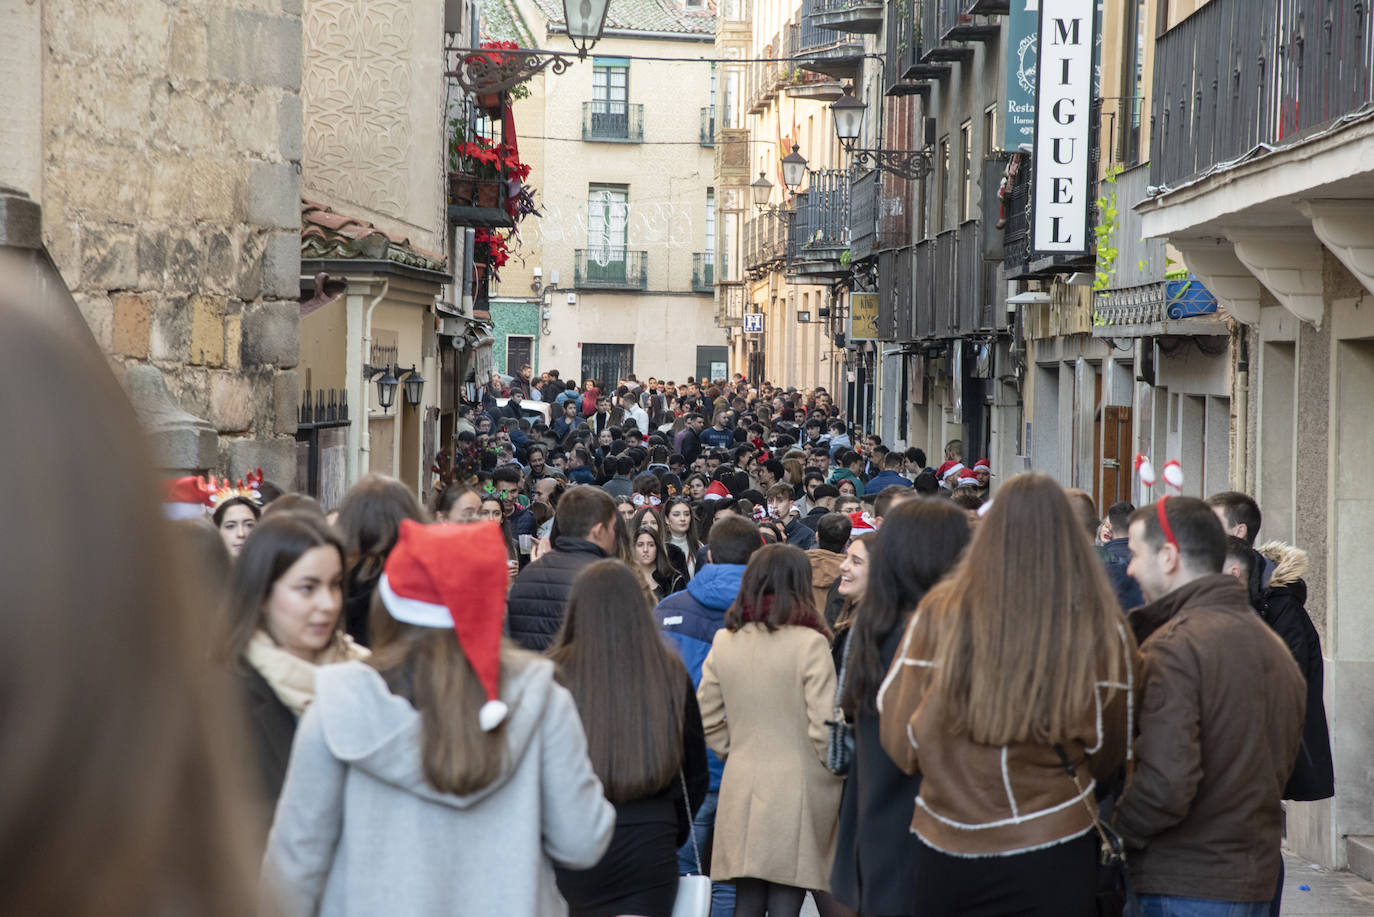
1282, 603
539, 597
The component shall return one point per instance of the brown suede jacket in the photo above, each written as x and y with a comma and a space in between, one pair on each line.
981, 800
1222, 705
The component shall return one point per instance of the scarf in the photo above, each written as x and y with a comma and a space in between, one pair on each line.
291, 678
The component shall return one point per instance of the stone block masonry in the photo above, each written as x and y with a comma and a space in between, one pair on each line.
171, 141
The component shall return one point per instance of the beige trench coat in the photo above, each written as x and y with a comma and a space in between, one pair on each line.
764, 701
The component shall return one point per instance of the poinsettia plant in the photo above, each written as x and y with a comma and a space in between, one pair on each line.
485, 160
497, 247
495, 67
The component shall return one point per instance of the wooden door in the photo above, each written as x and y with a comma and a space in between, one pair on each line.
1114, 469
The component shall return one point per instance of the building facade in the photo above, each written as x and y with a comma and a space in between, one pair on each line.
155, 150
620, 149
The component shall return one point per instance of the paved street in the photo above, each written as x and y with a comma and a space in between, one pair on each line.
1308, 892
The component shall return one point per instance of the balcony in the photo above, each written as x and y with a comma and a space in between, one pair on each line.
703, 272
610, 269
765, 242
1182, 306
708, 126
732, 156
894, 295
863, 17
954, 22
612, 122
818, 238
954, 291
730, 299
907, 73
864, 197
1018, 218
826, 51
987, 7
805, 84
1227, 83
937, 18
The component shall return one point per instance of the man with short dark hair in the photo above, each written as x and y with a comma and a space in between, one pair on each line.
1220, 721
832, 535
768, 473
780, 506
851, 463
719, 435
620, 484
822, 502
890, 476
915, 462
689, 440
1278, 593
508, 480
690, 619
887, 499
586, 522
1116, 554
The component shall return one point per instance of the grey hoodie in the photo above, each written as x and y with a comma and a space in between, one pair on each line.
359, 831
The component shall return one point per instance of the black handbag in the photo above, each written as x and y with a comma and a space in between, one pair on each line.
839, 749
1114, 896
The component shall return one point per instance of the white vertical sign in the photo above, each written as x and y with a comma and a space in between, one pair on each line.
1063, 127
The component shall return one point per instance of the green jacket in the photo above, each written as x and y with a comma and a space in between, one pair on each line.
841, 474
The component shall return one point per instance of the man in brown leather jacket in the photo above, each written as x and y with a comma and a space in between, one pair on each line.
1220, 720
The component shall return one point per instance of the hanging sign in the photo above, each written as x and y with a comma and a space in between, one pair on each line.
1063, 127
753, 323
1018, 122
863, 316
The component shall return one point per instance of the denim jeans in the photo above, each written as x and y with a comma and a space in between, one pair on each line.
1171, 906
722, 893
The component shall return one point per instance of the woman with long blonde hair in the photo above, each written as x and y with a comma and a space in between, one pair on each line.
1016, 672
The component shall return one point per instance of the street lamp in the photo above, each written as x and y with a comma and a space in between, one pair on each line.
848, 115
415, 386
386, 389
793, 169
762, 191
585, 19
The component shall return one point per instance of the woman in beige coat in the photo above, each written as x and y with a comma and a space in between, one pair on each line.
767, 689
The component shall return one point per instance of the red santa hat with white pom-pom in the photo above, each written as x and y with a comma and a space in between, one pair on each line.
423, 585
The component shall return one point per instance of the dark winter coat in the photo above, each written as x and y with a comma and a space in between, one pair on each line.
539, 597
885, 478
691, 445
812, 519
1218, 731
1117, 557
691, 618
358, 604
875, 847
1282, 605
272, 727
798, 535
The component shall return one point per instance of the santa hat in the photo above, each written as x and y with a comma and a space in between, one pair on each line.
983, 465
968, 477
861, 523
1145, 470
186, 498
1173, 474
717, 491
423, 584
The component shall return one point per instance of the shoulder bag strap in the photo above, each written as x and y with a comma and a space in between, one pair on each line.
1109, 839
691, 830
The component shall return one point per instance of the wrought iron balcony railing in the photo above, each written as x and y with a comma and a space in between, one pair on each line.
1228, 80
612, 122
1149, 305
703, 272
858, 16
609, 268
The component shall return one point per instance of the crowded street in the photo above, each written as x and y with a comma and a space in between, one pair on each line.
687, 458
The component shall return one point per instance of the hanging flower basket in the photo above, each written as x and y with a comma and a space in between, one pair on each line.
490, 102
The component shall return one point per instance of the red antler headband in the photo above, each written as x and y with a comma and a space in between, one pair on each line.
1164, 524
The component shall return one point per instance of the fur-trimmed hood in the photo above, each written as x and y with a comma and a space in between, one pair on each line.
1290, 563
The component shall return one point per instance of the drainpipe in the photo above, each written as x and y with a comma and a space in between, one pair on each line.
365, 437
1240, 477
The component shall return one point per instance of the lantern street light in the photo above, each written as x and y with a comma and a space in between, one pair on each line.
585, 19
762, 191
415, 386
848, 114
386, 389
793, 169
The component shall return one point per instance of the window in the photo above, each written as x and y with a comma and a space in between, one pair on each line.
966, 165
608, 208
943, 193
732, 118
990, 130
611, 97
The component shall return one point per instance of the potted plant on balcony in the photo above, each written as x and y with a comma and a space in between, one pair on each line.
483, 173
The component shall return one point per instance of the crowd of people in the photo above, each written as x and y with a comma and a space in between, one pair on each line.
700, 628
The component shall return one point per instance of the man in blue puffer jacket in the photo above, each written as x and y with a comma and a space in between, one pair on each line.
690, 619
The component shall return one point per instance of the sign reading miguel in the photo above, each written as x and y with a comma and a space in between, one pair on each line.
1063, 158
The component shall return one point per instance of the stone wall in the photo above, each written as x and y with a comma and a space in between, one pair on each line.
171, 149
